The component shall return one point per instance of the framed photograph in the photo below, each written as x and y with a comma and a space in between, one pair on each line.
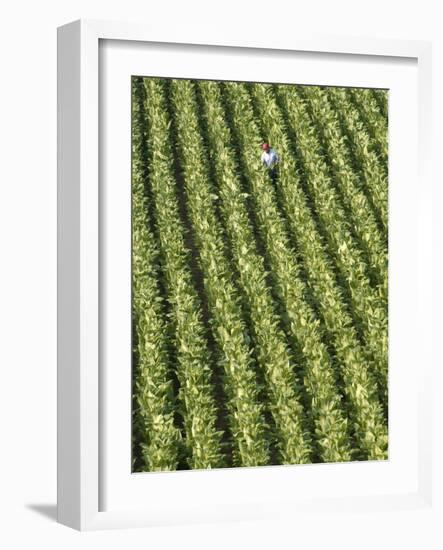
243, 277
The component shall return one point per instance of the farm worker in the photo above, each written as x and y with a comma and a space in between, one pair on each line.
270, 159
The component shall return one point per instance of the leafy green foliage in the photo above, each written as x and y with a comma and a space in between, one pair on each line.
367, 305
272, 349
360, 387
372, 172
375, 122
361, 216
245, 410
381, 98
193, 357
330, 423
153, 382
259, 302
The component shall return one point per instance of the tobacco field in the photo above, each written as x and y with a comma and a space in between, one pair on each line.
259, 303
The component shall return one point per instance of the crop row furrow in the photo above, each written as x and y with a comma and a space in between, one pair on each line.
245, 410
359, 387
368, 307
382, 99
319, 377
273, 355
366, 161
152, 378
361, 214
192, 354
375, 123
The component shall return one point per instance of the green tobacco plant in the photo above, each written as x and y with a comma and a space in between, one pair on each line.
368, 306
373, 175
194, 361
360, 213
381, 98
152, 376
375, 123
330, 422
272, 350
259, 298
245, 410
359, 386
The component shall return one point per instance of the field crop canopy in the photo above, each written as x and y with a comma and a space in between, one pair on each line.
259, 292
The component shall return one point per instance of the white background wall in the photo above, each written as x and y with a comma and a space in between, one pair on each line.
28, 252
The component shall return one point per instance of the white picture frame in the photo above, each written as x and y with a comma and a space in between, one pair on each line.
84, 472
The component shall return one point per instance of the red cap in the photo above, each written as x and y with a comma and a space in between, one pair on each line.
265, 146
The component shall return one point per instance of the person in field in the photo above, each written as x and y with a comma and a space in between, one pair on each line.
270, 159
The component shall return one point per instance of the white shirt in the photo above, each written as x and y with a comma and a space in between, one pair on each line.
269, 158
